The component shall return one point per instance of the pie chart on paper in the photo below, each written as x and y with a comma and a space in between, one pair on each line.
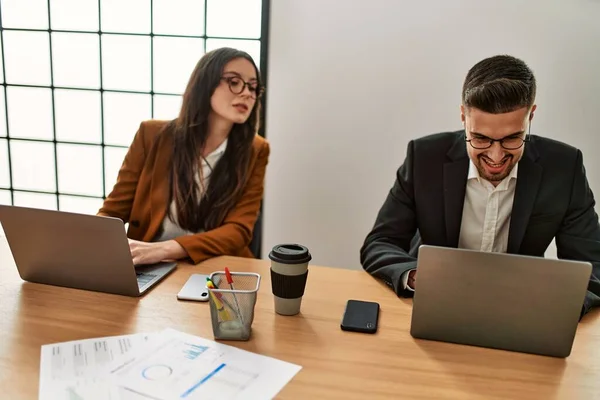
157, 372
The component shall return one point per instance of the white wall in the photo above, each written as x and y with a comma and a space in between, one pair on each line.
351, 82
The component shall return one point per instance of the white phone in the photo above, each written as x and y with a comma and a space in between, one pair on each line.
194, 289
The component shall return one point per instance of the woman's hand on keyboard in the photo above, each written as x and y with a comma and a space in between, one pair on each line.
150, 253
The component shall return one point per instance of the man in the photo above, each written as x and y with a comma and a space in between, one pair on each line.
490, 187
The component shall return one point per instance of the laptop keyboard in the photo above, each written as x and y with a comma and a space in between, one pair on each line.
144, 278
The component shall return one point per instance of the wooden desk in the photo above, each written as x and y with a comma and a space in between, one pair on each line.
336, 364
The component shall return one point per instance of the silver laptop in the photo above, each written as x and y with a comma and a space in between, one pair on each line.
77, 251
502, 301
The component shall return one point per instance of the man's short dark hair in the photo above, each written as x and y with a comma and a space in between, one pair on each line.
499, 84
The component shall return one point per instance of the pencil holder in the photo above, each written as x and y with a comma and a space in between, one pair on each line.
232, 304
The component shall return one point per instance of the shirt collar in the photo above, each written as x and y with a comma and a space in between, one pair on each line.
219, 150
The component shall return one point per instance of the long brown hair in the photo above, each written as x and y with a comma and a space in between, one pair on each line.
190, 131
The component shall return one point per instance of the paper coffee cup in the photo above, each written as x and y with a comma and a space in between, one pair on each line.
289, 271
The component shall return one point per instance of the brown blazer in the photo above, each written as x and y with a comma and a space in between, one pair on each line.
141, 194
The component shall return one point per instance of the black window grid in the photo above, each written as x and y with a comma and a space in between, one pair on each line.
265, 13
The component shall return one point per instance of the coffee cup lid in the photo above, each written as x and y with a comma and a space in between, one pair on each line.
290, 253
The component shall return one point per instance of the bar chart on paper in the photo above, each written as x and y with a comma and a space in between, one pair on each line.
186, 367
193, 351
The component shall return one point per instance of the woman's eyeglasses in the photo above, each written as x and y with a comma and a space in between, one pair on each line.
237, 86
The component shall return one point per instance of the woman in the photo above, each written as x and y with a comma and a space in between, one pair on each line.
192, 187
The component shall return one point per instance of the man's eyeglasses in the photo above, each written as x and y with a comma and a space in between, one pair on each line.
508, 143
237, 86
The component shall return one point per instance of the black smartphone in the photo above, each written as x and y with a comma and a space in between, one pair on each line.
360, 316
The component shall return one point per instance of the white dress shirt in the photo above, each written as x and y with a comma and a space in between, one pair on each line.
486, 214
170, 228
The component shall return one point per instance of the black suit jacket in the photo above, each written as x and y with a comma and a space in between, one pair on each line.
552, 200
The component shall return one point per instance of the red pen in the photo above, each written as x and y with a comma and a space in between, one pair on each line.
230, 281
229, 278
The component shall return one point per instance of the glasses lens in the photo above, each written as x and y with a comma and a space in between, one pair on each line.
512, 143
480, 143
236, 85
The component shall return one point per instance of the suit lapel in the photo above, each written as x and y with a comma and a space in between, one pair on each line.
159, 192
528, 183
455, 181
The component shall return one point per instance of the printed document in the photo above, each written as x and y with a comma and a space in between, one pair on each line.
181, 366
161, 366
68, 368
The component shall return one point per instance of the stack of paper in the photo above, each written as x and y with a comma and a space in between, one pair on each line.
165, 365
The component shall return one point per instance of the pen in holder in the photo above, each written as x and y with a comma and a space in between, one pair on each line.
232, 310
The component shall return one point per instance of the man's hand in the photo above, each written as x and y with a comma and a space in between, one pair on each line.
151, 253
412, 279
